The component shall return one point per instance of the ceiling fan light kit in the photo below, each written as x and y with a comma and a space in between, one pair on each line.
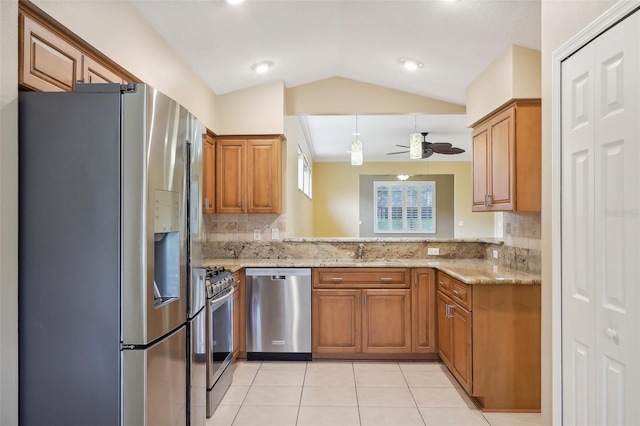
415, 146
420, 149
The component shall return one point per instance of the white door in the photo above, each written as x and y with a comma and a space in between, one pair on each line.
601, 229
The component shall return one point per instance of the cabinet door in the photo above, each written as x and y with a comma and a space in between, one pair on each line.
461, 345
386, 321
94, 72
423, 305
480, 167
336, 321
209, 175
264, 182
444, 330
47, 62
230, 176
502, 171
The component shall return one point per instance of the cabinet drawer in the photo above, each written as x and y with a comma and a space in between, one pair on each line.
444, 283
361, 278
461, 293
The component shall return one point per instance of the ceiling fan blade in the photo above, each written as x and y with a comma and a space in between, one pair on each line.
402, 146
399, 152
438, 145
449, 151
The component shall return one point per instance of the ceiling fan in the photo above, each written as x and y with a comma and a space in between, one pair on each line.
430, 148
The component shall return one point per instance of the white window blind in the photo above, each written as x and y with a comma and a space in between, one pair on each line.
405, 207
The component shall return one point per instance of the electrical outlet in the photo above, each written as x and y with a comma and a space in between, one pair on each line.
433, 251
495, 254
257, 235
275, 234
461, 223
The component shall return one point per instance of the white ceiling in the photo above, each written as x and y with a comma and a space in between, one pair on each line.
364, 40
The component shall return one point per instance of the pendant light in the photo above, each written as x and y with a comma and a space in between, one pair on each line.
415, 144
356, 148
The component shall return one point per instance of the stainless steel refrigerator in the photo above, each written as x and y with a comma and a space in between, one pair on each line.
103, 256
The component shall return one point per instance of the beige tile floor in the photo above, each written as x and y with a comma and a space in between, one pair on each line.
323, 393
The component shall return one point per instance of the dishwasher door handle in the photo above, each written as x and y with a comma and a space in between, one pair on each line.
278, 277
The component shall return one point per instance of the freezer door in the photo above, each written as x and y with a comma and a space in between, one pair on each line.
155, 383
154, 215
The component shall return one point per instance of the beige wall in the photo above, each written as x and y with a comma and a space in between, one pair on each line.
253, 111
336, 192
136, 47
8, 212
339, 95
514, 74
560, 21
298, 207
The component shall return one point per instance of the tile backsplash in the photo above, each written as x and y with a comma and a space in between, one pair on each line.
522, 241
243, 227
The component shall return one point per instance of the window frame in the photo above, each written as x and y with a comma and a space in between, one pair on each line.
429, 185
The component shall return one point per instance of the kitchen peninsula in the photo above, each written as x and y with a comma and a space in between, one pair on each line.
480, 317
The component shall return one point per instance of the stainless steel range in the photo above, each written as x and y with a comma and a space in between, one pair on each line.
219, 285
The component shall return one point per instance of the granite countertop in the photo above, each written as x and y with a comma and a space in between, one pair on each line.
469, 271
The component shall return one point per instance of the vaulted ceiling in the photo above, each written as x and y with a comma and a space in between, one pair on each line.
363, 40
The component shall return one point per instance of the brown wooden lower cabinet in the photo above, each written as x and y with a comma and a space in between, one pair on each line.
238, 315
386, 321
492, 348
423, 311
361, 321
336, 321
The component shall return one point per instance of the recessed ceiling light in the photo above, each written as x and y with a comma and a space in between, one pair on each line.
234, 1
410, 64
262, 67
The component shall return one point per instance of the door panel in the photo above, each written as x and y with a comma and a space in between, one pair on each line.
600, 229
444, 330
502, 160
480, 153
386, 321
336, 321
577, 241
230, 176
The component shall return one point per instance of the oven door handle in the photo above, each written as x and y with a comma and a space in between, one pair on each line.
220, 301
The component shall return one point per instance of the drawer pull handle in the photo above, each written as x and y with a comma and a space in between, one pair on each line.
456, 292
442, 283
336, 278
448, 313
386, 279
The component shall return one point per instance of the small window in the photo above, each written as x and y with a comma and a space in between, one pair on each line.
304, 173
405, 207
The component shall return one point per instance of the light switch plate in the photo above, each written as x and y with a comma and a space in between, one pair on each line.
495, 254
275, 234
257, 235
433, 251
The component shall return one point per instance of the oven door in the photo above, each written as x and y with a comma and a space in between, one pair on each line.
220, 336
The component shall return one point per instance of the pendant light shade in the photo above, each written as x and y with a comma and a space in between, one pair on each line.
356, 152
356, 148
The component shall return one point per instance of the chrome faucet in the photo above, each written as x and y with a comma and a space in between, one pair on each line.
360, 251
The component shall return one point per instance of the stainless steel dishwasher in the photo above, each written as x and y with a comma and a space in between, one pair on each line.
278, 314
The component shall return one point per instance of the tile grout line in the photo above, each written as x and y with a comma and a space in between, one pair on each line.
412, 395
304, 379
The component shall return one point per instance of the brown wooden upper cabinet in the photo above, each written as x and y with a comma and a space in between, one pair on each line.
209, 175
507, 159
51, 62
249, 174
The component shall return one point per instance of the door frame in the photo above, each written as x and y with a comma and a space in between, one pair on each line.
611, 17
